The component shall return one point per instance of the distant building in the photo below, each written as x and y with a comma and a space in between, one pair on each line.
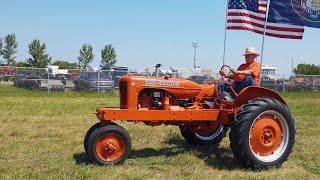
171, 71
268, 73
55, 70
187, 72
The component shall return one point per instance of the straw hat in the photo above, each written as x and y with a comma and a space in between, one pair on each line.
251, 50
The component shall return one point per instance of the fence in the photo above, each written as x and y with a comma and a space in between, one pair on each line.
299, 83
50, 79
62, 79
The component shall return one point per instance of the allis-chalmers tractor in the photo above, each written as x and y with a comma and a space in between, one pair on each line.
262, 129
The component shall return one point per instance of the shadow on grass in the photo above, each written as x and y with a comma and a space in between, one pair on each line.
214, 156
81, 159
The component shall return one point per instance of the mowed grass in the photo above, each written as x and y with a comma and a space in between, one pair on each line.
41, 137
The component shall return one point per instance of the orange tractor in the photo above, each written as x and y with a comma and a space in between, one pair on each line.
262, 129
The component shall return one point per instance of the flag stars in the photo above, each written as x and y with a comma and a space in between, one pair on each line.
251, 5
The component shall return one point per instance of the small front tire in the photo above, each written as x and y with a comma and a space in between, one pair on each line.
109, 145
88, 134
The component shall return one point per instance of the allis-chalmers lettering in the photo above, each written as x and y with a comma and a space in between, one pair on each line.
161, 83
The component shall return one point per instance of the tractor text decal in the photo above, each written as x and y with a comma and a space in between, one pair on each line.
161, 83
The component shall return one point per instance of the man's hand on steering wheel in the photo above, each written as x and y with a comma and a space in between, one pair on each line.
226, 77
222, 73
227, 73
233, 71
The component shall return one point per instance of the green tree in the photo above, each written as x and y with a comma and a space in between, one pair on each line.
108, 57
86, 56
22, 64
65, 64
1, 49
307, 69
1, 46
40, 58
10, 49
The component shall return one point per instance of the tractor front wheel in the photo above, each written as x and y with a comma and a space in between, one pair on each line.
204, 133
263, 134
88, 134
109, 145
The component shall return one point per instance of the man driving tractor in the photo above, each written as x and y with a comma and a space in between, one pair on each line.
262, 129
247, 74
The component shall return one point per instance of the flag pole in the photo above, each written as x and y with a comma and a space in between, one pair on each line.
225, 35
264, 36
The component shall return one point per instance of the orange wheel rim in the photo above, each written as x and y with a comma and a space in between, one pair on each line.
110, 147
265, 135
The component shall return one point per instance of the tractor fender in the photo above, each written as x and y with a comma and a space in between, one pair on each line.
254, 92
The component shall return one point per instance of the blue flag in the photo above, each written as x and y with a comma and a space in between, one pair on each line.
295, 12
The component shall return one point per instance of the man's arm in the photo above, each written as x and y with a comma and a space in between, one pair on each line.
243, 72
253, 71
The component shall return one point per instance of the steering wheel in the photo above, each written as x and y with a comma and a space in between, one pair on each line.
225, 72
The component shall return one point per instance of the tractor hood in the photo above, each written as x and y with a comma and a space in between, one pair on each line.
178, 87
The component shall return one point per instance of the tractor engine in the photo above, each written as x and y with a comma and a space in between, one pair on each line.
137, 92
159, 99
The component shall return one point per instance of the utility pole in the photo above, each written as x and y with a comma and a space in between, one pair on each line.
195, 46
292, 70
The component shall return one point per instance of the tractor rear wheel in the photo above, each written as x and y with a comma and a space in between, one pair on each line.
206, 133
109, 145
263, 134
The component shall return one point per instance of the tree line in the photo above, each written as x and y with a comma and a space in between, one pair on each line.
39, 58
307, 69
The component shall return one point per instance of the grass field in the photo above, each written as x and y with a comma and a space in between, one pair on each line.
41, 137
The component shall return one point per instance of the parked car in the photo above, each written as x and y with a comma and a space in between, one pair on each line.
27, 81
201, 79
7, 74
88, 81
117, 73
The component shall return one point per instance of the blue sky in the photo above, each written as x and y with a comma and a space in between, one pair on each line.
145, 32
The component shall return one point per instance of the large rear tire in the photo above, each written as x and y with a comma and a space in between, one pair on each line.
109, 145
206, 134
263, 134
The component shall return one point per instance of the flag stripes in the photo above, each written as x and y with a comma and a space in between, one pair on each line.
243, 17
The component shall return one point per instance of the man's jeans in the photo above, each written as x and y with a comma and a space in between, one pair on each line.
238, 86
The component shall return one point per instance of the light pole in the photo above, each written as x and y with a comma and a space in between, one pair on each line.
292, 70
195, 46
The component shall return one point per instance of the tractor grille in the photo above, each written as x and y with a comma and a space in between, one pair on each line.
123, 86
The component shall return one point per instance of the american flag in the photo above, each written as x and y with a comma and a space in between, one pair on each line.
250, 15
